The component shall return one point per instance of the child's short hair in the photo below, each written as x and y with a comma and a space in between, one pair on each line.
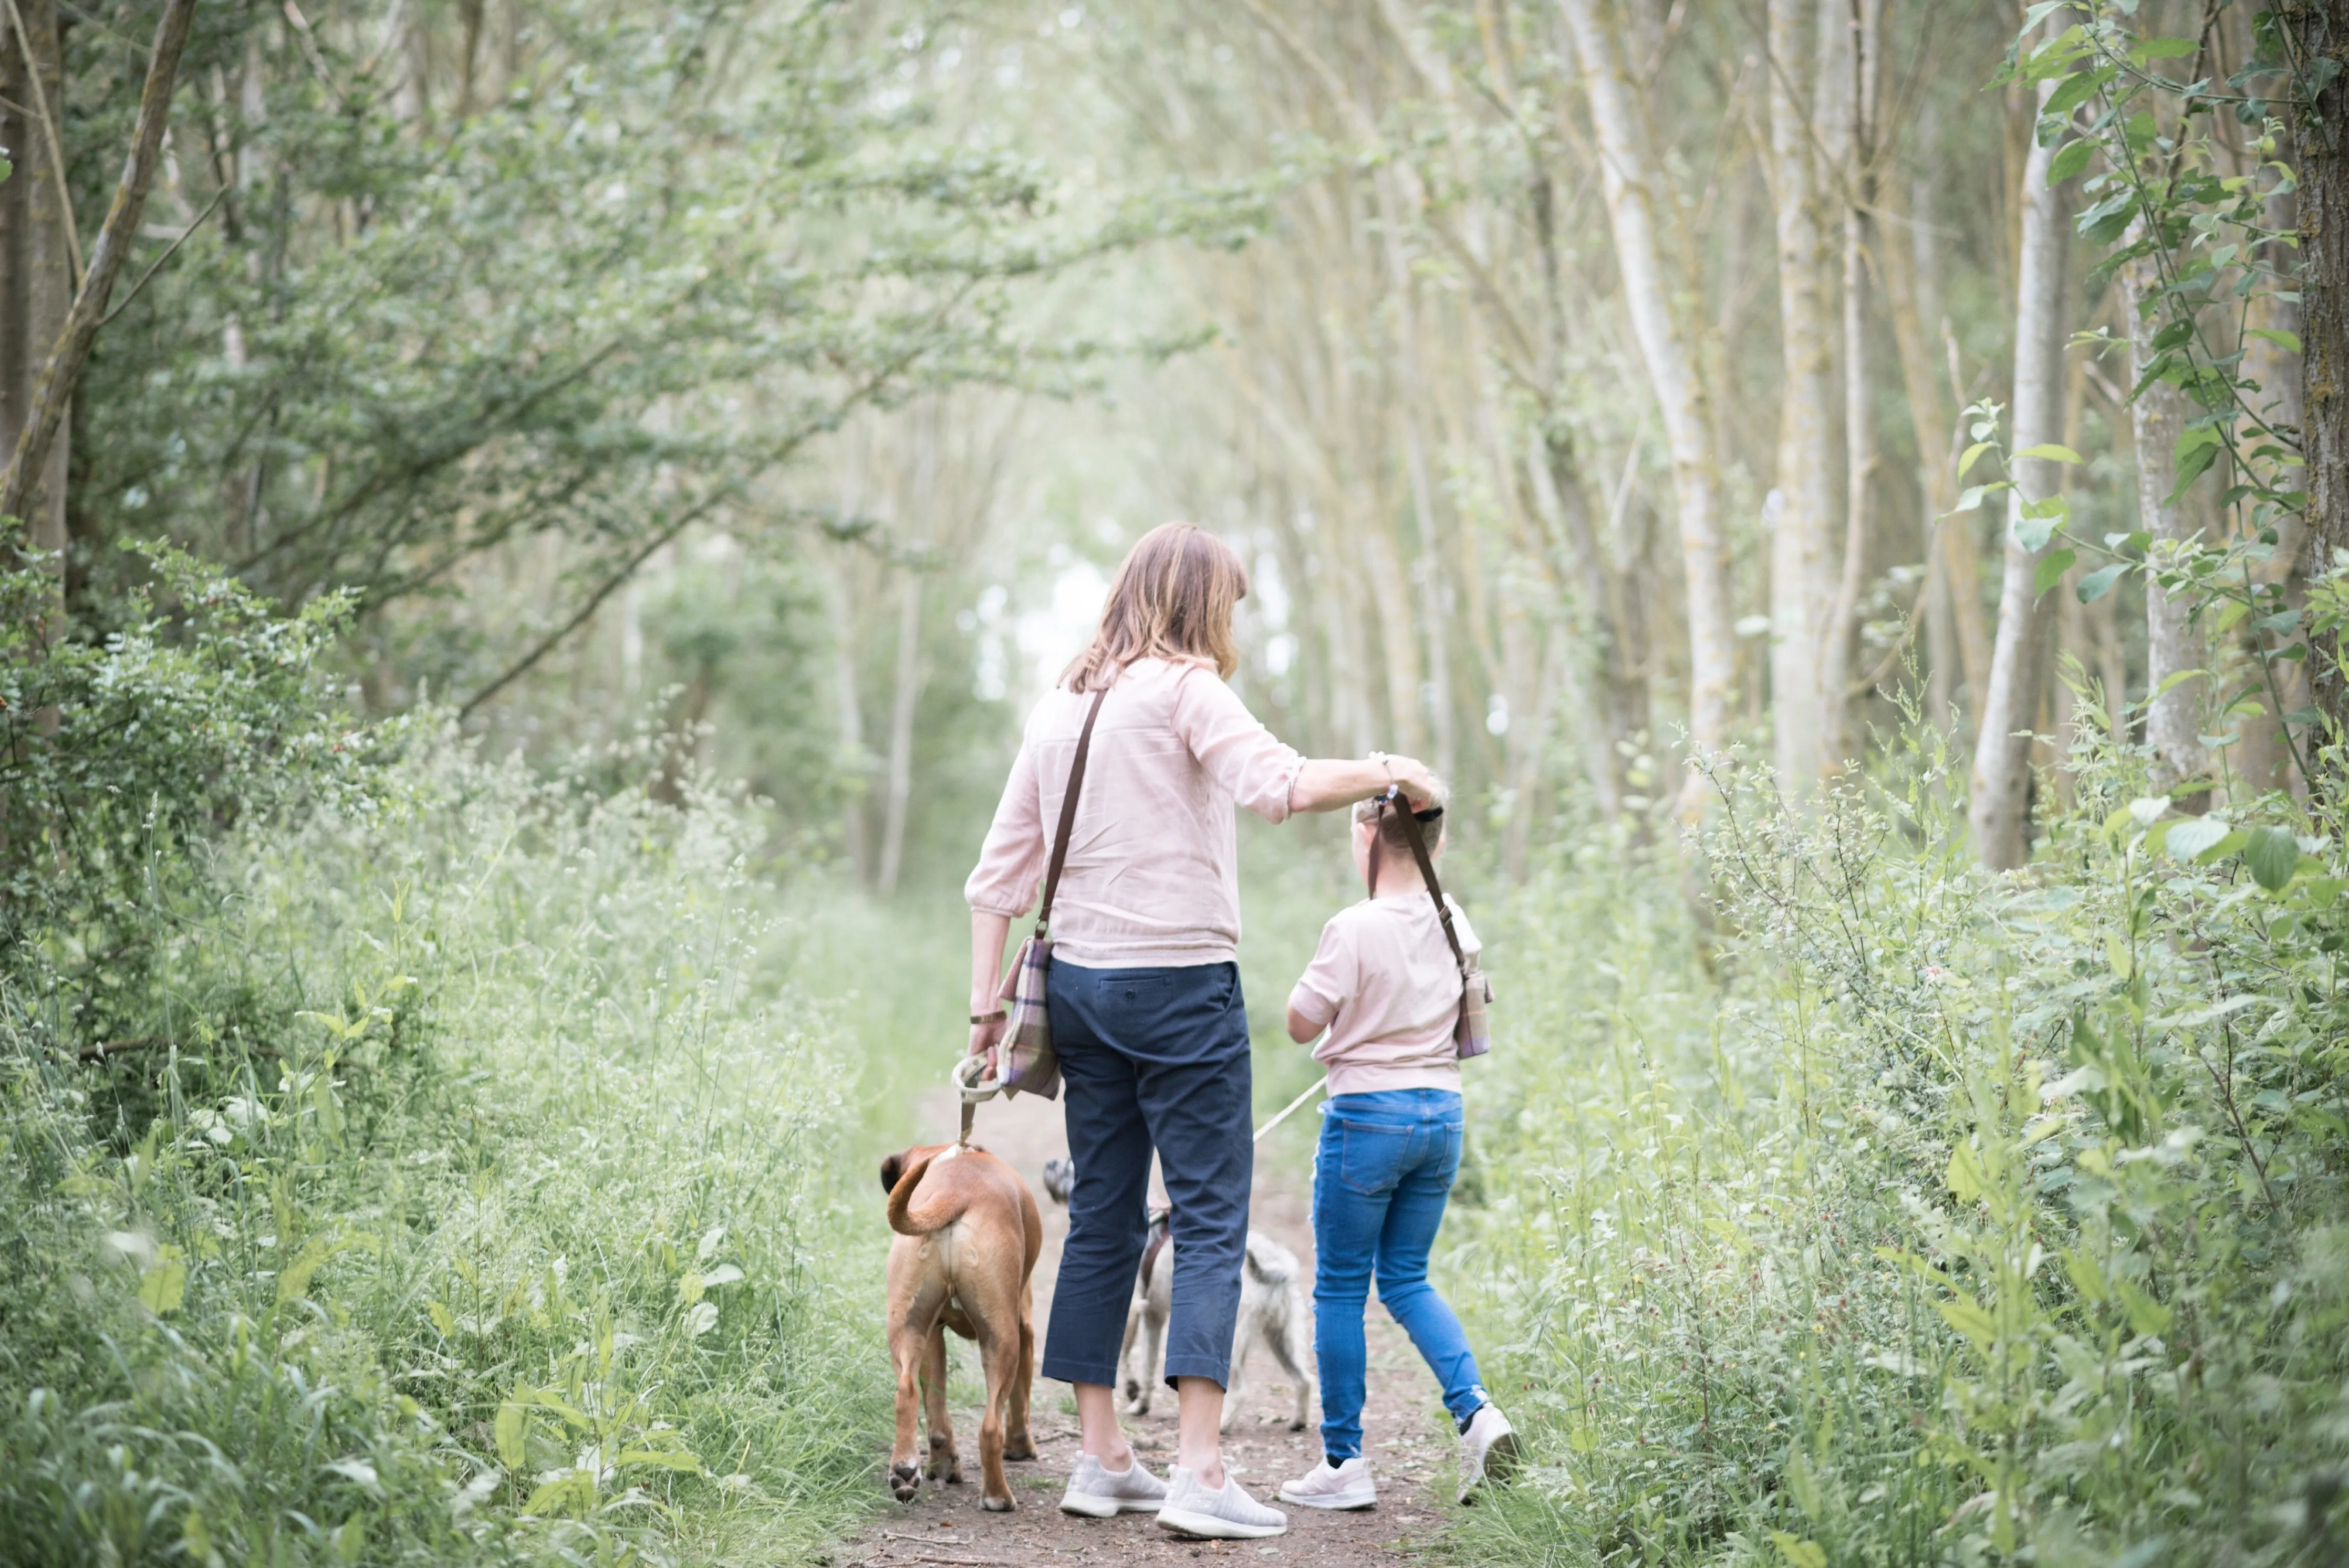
1390, 830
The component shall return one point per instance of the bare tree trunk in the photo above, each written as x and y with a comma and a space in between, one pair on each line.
902, 709
36, 258
2000, 807
2270, 761
2321, 28
2173, 644
1860, 443
1804, 562
1672, 372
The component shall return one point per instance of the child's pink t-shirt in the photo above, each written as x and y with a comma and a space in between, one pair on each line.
1385, 984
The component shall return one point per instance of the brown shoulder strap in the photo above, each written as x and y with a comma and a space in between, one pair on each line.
1068, 814
1427, 870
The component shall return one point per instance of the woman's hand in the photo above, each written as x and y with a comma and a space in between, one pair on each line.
984, 1039
1419, 784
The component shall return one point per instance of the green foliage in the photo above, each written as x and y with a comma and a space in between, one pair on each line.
501, 1228
1978, 1218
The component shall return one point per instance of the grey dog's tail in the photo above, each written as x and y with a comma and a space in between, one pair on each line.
1272, 1266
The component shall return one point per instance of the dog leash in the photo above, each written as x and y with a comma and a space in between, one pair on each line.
1286, 1110
971, 1084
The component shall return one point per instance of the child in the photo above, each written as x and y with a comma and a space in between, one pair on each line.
1385, 984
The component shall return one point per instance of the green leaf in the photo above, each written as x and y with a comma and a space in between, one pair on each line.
1965, 1174
2033, 534
1970, 1320
2287, 341
2072, 91
163, 1287
571, 1494
2099, 583
1973, 454
2070, 158
1798, 1552
512, 1434
2163, 50
1973, 496
2053, 451
2191, 465
2146, 1314
2188, 839
2273, 855
2051, 567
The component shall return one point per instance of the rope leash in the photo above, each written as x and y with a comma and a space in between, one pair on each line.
1290, 1109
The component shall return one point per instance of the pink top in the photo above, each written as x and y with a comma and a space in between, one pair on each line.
1152, 875
1385, 984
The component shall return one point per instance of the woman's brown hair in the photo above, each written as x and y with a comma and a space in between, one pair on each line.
1172, 599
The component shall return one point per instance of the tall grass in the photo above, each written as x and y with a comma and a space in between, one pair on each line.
478, 1195
1948, 1218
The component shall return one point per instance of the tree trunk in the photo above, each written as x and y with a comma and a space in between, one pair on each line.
902, 709
45, 414
2173, 718
1673, 372
1804, 564
2001, 808
2321, 27
1835, 697
36, 273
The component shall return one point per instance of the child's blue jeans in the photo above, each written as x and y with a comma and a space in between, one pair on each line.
1381, 1180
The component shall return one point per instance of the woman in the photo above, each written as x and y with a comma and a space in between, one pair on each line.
1145, 994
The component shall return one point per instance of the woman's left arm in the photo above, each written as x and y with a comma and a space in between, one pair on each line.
1269, 778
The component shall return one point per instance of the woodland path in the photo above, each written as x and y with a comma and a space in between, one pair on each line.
1410, 1442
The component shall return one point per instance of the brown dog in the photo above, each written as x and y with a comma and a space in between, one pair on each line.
967, 1236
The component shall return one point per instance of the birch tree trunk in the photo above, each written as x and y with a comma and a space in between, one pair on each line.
2173, 645
37, 260
1999, 810
1672, 371
1859, 446
1804, 562
904, 704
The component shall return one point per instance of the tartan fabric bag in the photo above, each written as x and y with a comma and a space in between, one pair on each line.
1029, 1063
1473, 1034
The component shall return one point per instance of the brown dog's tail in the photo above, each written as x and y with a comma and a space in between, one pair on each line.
904, 1220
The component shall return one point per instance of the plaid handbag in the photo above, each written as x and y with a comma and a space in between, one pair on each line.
1028, 1063
1472, 1036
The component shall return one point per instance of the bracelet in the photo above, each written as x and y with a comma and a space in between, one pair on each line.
1387, 763
987, 1017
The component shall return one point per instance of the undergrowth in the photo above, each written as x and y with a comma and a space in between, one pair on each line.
445, 1179
1950, 1218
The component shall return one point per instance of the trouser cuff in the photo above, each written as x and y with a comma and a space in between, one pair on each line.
1219, 1372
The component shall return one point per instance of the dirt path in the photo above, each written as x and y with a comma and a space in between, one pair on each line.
1410, 1442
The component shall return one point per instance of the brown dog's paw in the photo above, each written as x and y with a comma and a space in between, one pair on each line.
1019, 1446
948, 1469
998, 1504
904, 1481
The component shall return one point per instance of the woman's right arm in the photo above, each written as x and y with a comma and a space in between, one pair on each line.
1326, 784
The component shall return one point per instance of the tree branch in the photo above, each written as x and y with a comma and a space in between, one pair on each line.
58, 377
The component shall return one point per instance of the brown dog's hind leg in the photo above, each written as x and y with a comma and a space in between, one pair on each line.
1017, 1443
905, 1349
946, 1463
1000, 1352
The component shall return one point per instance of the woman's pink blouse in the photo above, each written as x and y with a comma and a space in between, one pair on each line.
1153, 873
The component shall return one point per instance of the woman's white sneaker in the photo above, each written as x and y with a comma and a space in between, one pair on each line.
1098, 1492
1347, 1485
1230, 1514
1488, 1450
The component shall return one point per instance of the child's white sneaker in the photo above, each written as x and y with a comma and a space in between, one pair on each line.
1097, 1491
1488, 1449
1347, 1485
1194, 1508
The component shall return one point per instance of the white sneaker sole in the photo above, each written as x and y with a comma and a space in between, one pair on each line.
1336, 1501
1208, 1527
1088, 1506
